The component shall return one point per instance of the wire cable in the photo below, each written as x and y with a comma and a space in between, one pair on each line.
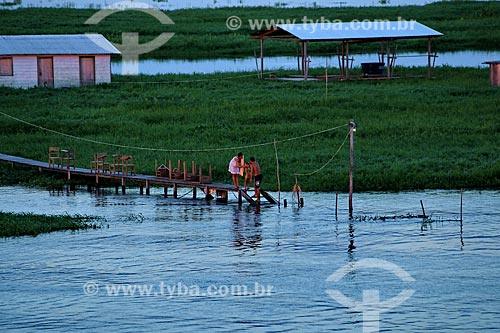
329, 161
165, 149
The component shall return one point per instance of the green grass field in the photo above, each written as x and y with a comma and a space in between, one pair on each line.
202, 33
412, 133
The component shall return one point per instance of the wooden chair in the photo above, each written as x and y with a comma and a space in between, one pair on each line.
68, 158
116, 166
127, 165
122, 164
54, 157
99, 163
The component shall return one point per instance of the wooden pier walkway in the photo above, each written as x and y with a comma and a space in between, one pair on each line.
145, 181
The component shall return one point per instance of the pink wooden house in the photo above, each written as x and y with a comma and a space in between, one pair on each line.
55, 60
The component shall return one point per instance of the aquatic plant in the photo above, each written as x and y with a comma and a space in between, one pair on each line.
28, 224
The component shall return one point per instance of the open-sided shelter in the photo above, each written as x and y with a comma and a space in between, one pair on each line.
55, 60
347, 34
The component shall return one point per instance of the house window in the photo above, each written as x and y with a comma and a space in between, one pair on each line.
6, 68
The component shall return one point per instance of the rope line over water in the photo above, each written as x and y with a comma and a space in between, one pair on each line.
171, 150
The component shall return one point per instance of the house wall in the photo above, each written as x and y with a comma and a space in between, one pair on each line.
25, 70
66, 71
102, 69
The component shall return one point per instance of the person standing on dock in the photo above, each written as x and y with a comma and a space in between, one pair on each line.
248, 176
258, 176
234, 168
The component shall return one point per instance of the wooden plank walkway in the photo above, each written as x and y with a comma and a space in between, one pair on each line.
143, 180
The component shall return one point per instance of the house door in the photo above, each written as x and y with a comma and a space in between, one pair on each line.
87, 71
45, 72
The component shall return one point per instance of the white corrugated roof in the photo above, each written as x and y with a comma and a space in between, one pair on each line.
356, 30
56, 44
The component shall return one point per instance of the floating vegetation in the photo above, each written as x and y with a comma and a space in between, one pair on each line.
132, 203
385, 217
135, 218
426, 218
28, 224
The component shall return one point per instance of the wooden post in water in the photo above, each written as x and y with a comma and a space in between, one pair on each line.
461, 192
147, 187
461, 220
423, 209
352, 124
336, 204
175, 191
277, 176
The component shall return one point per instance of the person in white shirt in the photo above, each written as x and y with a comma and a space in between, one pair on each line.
234, 168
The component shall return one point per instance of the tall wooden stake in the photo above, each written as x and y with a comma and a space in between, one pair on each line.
336, 205
352, 124
278, 173
461, 201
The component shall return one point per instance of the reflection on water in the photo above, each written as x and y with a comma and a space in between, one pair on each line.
153, 240
247, 229
208, 66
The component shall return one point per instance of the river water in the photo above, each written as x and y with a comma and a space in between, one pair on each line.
469, 58
191, 255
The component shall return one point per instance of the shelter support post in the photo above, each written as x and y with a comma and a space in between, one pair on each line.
305, 66
389, 59
262, 58
342, 66
382, 54
428, 58
347, 60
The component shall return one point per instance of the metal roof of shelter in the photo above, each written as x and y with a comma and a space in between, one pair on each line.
350, 31
347, 33
56, 45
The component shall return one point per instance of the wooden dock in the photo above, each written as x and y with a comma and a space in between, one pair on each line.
145, 181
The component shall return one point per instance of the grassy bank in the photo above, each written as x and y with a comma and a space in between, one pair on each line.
12, 225
412, 133
202, 33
